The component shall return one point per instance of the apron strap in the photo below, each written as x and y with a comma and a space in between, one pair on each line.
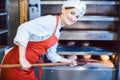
40, 59
40, 68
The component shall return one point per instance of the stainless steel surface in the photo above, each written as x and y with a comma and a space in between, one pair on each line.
82, 50
77, 73
98, 18
3, 31
3, 48
88, 35
13, 12
34, 9
87, 2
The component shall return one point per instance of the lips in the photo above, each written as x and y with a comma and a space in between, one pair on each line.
70, 21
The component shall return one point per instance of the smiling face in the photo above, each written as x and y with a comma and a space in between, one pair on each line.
69, 16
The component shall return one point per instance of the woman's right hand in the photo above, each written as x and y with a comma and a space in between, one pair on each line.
25, 64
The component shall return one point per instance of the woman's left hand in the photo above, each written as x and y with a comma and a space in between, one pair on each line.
73, 63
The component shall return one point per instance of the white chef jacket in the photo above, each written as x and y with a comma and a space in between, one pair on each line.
37, 30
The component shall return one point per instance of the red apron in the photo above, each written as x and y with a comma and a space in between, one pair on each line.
33, 53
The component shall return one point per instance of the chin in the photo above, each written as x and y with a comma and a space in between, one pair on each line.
69, 23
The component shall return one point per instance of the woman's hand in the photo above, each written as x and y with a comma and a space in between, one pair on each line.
73, 62
25, 64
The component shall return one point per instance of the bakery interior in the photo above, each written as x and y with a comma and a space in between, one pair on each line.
94, 38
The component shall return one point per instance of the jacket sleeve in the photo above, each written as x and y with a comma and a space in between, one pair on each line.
52, 55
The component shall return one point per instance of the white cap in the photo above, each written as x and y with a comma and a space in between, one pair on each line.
81, 6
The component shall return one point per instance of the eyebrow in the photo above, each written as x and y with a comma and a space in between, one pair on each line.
69, 7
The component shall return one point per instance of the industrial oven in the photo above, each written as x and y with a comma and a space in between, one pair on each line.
99, 28
91, 68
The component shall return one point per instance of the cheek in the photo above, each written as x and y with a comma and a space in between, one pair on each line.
69, 19
66, 18
76, 20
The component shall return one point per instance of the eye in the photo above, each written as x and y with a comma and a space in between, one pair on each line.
77, 16
73, 13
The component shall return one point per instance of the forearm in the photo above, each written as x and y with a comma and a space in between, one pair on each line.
22, 58
22, 51
65, 60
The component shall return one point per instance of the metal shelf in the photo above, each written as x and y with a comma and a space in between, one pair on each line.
87, 2
2, 31
83, 50
98, 18
86, 35
84, 53
3, 14
3, 48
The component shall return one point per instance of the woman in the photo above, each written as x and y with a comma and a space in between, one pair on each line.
37, 37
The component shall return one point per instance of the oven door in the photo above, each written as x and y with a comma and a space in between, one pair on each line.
80, 72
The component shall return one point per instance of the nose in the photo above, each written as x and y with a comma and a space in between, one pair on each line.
73, 19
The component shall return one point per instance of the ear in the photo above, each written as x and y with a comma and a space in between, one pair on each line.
63, 10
